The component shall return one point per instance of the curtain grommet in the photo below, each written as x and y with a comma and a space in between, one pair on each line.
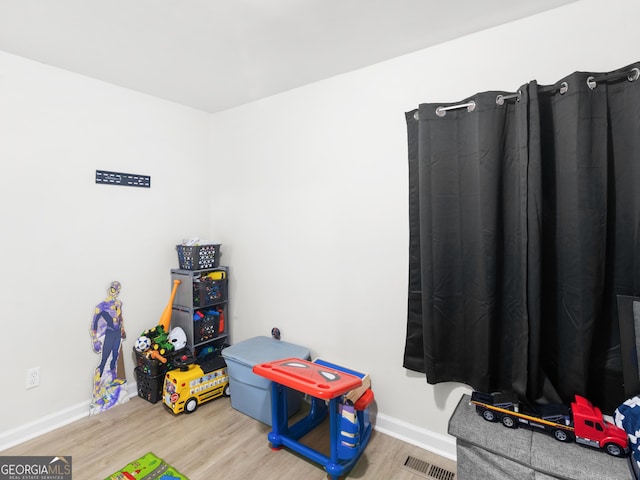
564, 88
633, 74
591, 83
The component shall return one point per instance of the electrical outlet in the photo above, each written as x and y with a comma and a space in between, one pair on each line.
33, 377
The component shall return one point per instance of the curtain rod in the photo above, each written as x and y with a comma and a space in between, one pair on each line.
632, 75
501, 98
561, 88
442, 111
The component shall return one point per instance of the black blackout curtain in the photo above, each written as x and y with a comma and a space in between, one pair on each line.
524, 212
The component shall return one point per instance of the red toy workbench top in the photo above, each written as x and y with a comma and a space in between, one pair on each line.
308, 377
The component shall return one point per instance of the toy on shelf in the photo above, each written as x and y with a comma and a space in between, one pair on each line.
192, 384
159, 340
155, 349
165, 317
582, 422
627, 417
155, 353
209, 352
143, 343
156, 342
177, 338
208, 323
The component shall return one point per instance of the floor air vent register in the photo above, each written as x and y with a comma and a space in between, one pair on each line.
427, 470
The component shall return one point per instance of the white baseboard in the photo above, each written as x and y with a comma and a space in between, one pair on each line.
443, 445
43, 425
46, 424
439, 444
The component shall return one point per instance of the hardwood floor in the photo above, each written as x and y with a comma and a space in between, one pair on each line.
215, 441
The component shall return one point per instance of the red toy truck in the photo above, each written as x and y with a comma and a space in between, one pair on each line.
583, 422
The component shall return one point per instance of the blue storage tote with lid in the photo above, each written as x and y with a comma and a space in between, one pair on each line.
251, 393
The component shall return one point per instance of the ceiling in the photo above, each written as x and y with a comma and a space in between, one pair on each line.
213, 55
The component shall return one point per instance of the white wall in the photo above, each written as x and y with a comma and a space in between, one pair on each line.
306, 190
64, 238
318, 230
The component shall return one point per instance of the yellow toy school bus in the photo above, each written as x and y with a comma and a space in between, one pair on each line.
191, 385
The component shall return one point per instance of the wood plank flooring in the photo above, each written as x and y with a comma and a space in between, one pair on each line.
214, 442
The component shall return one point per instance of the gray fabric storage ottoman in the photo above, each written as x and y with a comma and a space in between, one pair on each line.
490, 451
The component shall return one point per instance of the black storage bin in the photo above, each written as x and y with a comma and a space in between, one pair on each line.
209, 292
198, 257
149, 386
149, 366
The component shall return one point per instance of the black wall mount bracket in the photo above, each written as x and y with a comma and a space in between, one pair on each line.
123, 179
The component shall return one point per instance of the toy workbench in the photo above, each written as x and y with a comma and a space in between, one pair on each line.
350, 428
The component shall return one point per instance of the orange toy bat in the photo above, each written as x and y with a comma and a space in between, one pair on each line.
165, 318
156, 354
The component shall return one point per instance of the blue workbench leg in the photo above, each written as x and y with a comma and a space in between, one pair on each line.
279, 415
342, 462
333, 468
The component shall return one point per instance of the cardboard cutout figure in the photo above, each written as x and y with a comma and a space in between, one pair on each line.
107, 332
